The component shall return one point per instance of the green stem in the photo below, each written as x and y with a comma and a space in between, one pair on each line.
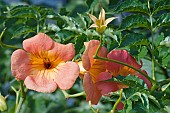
152, 49
73, 95
5, 45
98, 48
22, 98
92, 109
111, 60
117, 102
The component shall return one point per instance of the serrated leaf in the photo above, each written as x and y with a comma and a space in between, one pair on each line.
166, 42
22, 11
166, 60
131, 6
163, 20
129, 108
134, 21
131, 38
65, 34
146, 100
161, 5
142, 53
154, 100
80, 42
22, 30
82, 22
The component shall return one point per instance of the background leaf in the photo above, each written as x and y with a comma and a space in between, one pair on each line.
134, 21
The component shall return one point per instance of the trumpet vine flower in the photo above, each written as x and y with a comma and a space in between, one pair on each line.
100, 24
95, 76
44, 64
118, 69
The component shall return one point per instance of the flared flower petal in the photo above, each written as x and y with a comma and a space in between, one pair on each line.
122, 56
87, 57
39, 43
148, 83
40, 83
20, 64
92, 17
92, 93
102, 16
109, 20
43, 65
62, 52
108, 86
66, 74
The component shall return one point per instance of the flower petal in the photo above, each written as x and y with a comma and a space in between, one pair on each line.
122, 56
120, 106
87, 57
92, 17
39, 43
67, 74
102, 16
40, 83
93, 25
62, 52
92, 93
20, 64
148, 83
108, 86
109, 20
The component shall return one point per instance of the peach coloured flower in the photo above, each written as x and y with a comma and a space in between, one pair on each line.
100, 24
44, 64
125, 57
94, 80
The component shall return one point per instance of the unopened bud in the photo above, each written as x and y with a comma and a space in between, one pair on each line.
3, 105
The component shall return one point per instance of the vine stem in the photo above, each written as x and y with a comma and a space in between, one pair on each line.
122, 63
22, 98
6, 45
152, 48
73, 95
117, 102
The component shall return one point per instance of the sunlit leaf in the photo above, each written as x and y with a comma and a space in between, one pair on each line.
22, 31
163, 20
143, 52
134, 21
161, 5
131, 39
131, 6
79, 43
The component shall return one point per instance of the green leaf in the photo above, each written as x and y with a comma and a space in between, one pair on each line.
166, 60
22, 11
22, 30
129, 108
65, 34
166, 42
146, 100
163, 20
161, 5
131, 6
79, 43
154, 100
134, 21
142, 52
131, 39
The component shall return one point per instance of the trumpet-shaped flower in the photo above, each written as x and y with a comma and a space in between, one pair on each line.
125, 57
95, 76
100, 24
44, 64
